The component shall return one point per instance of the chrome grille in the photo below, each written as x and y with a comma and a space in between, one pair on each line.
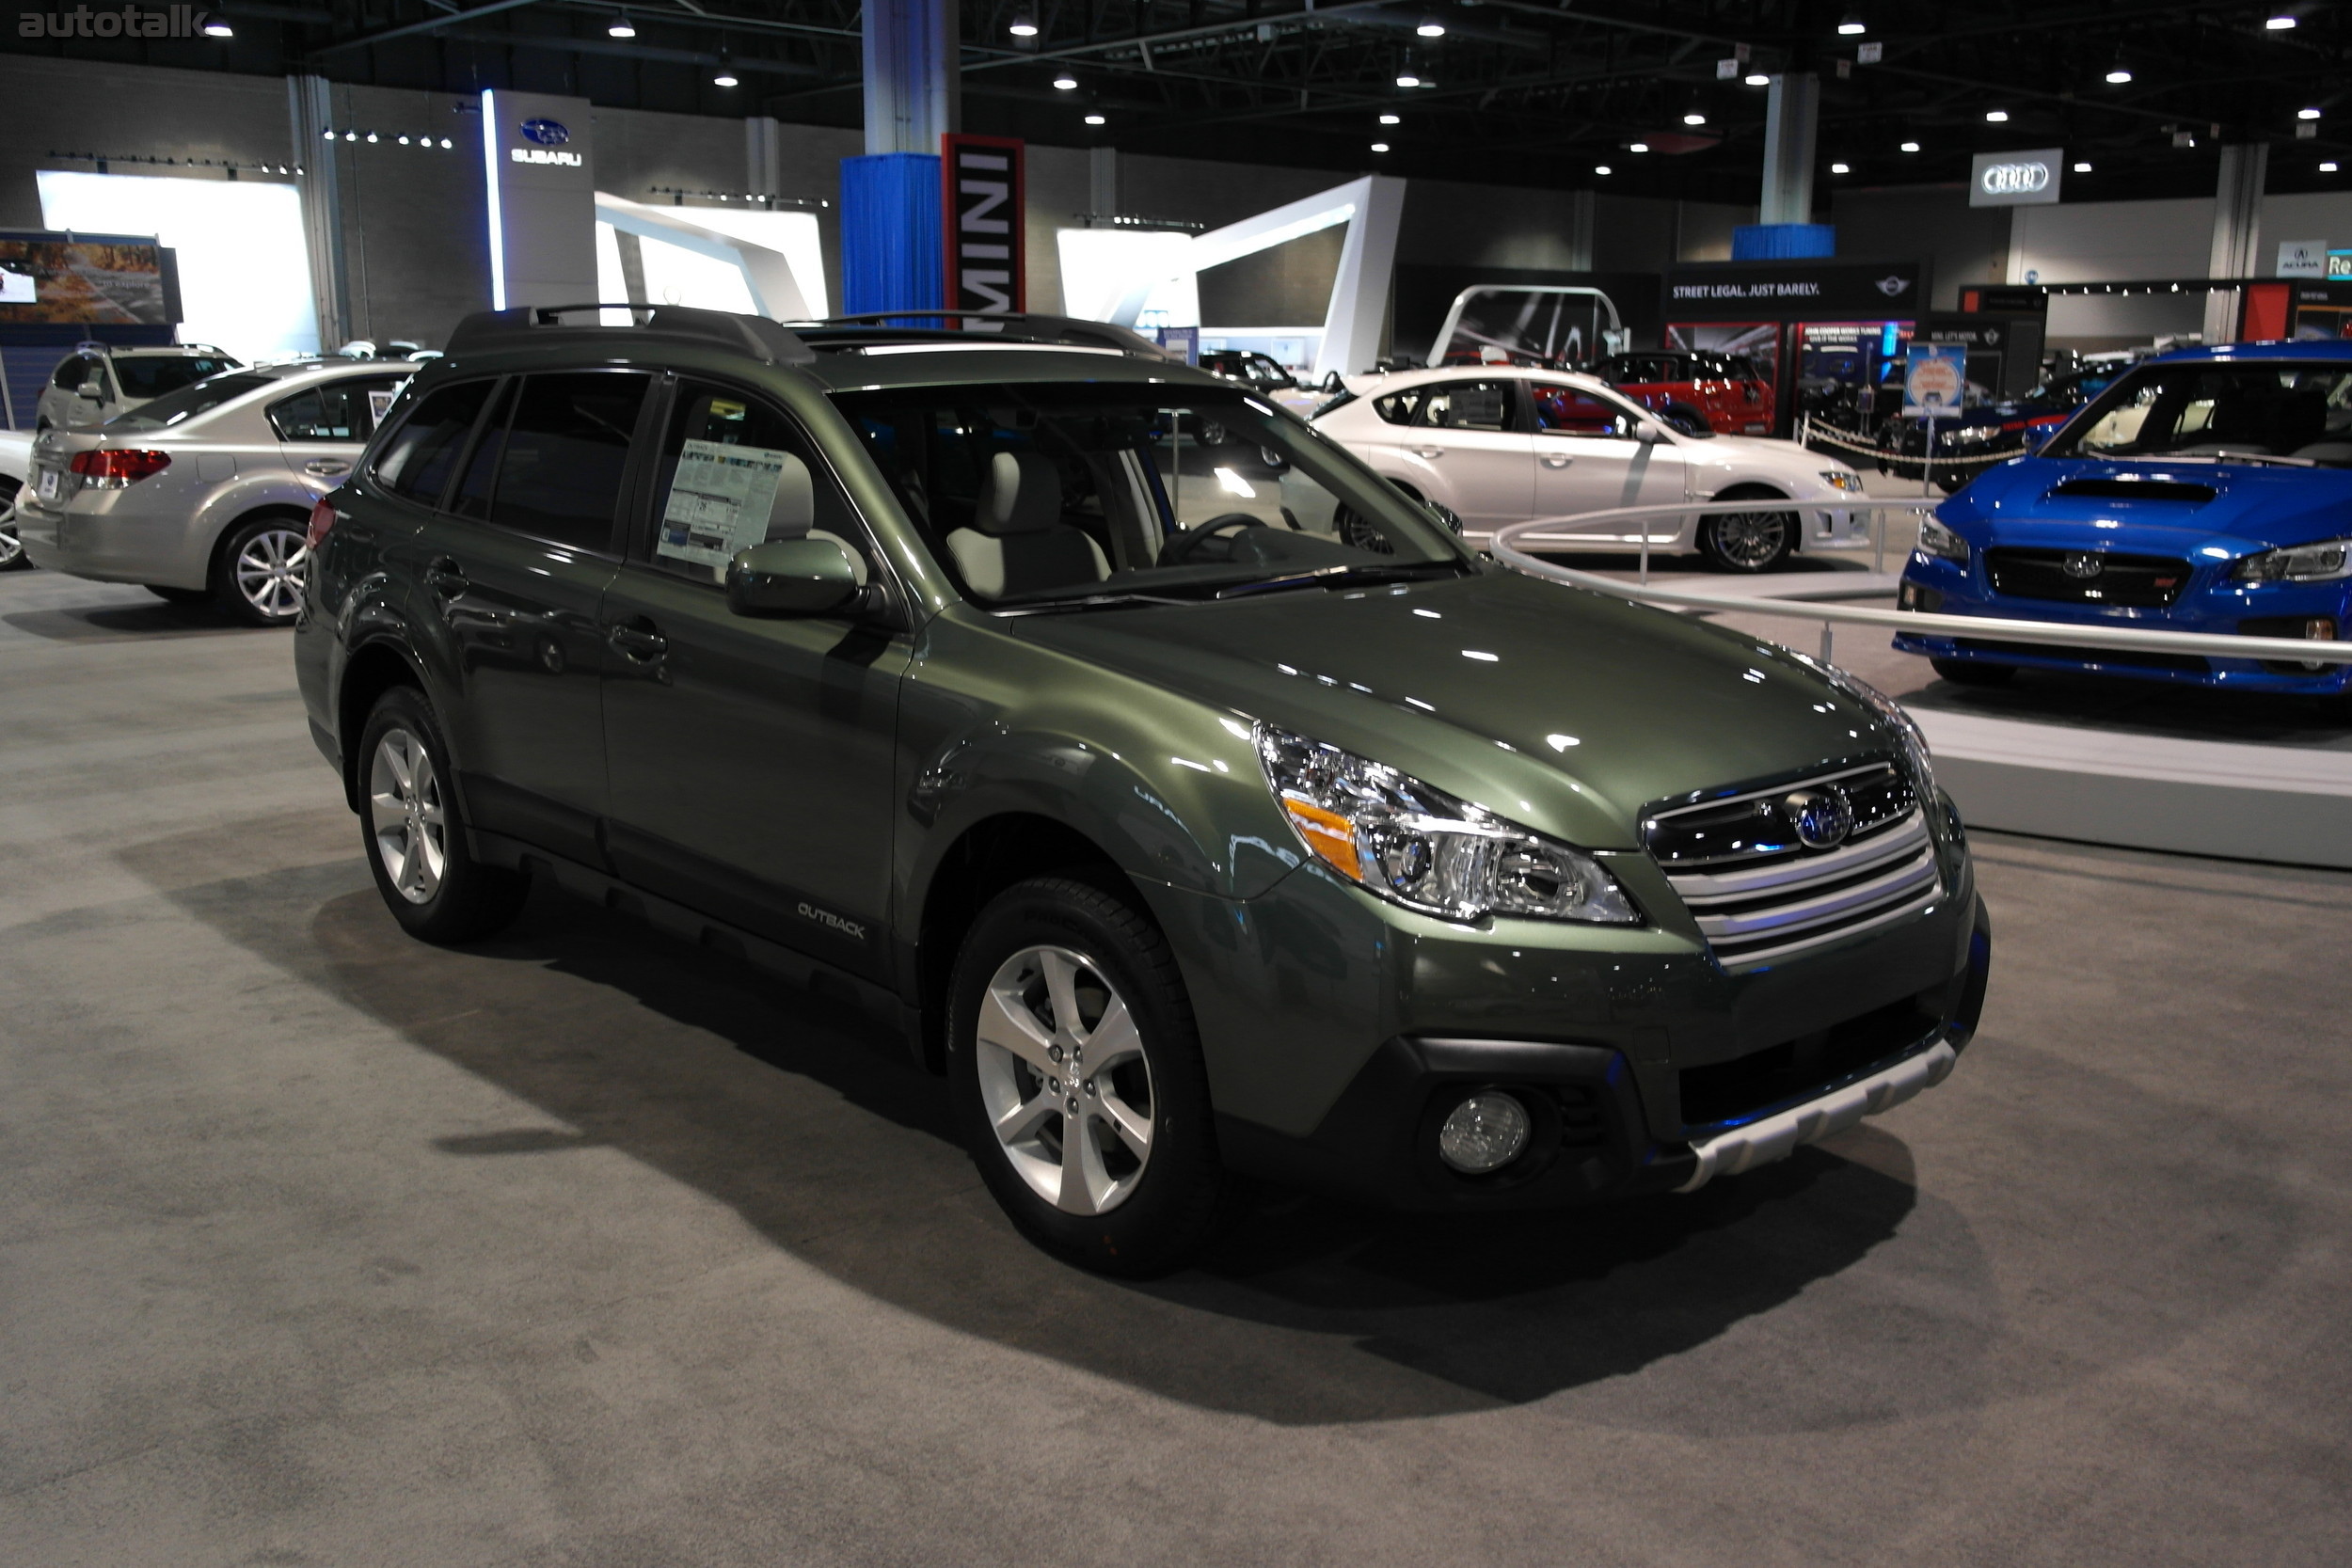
1759, 893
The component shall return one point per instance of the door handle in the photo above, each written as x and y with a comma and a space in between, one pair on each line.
1557, 460
1429, 451
325, 465
445, 577
638, 641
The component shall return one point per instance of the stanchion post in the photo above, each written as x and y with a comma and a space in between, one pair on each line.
1646, 552
1927, 460
1826, 632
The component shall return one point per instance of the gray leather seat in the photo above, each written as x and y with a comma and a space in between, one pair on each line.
1018, 543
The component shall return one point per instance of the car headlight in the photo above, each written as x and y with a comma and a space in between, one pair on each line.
1394, 835
1972, 434
1935, 539
2326, 561
1907, 731
1838, 479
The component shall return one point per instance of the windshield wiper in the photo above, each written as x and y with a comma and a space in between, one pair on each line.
1091, 601
1332, 577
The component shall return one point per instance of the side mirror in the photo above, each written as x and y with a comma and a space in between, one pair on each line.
1649, 431
791, 576
94, 389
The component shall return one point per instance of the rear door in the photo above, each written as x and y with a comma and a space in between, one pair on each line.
1466, 438
322, 428
510, 573
750, 758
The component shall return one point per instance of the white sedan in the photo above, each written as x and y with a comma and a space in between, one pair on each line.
1499, 444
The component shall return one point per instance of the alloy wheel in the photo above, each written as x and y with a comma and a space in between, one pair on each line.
11, 546
1751, 540
1064, 1080
405, 814
269, 571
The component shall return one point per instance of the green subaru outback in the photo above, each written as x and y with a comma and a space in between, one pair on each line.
1196, 802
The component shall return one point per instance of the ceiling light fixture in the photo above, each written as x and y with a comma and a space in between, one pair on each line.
1840, 169
2327, 168
622, 28
2082, 168
2119, 72
1023, 27
2307, 114
2279, 24
1603, 168
217, 28
1638, 147
1379, 146
1095, 119
1757, 79
1911, 147
1431, 27
1695, 117
1392, 120
1406, 79
1066, 82
725, 78
1853, 25
1996, 117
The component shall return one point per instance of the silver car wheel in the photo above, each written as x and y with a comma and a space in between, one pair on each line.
1751, 540
11, 546
404, 811
1064, 1080
269, 571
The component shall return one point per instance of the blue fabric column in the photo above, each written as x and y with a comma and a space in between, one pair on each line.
893, 255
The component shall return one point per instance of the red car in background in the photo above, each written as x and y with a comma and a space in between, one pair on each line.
1719, 391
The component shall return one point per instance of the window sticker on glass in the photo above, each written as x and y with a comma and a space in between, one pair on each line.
719, 502
378, 401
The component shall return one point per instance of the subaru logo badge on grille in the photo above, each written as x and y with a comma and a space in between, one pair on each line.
2080, 566
546, 132
1822, 816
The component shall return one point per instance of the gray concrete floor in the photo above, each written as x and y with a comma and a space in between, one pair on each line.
321, 1246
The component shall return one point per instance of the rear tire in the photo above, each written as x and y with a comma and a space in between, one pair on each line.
1116, 1065
1969, 671
257, 571
179, 596
414, 833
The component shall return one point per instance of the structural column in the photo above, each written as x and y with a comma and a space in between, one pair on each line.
2237, 201
311, 112
891, 241
1792, 119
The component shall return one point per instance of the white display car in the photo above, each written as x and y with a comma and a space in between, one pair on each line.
1498, 444
16, 466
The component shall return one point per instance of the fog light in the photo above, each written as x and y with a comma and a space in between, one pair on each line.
1485, 1132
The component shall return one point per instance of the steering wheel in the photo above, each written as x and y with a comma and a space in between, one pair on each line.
1181, 549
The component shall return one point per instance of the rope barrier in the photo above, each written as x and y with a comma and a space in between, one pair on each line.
1850, 441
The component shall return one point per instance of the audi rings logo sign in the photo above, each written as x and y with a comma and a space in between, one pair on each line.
2015, 179
1822, 816
546, 132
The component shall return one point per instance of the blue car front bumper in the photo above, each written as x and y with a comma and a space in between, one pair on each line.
2210, 602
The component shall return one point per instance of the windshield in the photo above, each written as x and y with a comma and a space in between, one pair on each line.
152, 375
178, 407
1048, 493
2298, 413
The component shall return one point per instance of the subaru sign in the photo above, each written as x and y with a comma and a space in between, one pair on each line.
2015, 179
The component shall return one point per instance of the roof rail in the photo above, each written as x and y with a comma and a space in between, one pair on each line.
757, 336
1033, 327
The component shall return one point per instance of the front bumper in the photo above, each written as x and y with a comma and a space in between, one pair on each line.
2210, 604
1632, 1049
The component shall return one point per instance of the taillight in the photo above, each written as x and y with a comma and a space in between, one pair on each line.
322, 519
109, 469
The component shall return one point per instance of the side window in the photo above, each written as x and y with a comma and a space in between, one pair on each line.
471, 499
1570, 411
71, 374
416, 463
1468, 405
344, 410
566, 450
1397, 408
736, 472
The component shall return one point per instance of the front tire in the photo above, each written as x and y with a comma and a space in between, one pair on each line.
414, 833
1078, 1081
258, 572
1747, 541
12, 557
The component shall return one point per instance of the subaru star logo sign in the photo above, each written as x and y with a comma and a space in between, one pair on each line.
1822, 816
546, 138
546, 132
2015, 179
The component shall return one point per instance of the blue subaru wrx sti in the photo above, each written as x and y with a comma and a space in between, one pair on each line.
2208, 491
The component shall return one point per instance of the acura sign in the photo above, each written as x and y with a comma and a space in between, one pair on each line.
2015, 179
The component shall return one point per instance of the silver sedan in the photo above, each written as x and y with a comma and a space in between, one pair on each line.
205, 493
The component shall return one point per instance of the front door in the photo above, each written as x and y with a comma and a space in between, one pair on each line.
1466, 438
750, 758
512, 569
1587, 460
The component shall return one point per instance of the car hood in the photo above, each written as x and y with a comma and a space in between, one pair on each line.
2251, 508
1564, 710
1757, 454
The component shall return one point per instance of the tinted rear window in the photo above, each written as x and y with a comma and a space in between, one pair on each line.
176, 407
416, 461
150, 376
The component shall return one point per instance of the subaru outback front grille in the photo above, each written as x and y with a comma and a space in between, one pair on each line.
1773, 873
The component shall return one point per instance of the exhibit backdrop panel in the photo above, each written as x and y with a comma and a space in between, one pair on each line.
244, 271
539, 174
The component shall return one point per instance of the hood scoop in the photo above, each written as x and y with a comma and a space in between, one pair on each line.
2177, 490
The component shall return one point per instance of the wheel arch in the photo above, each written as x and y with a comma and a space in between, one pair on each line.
373, 669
